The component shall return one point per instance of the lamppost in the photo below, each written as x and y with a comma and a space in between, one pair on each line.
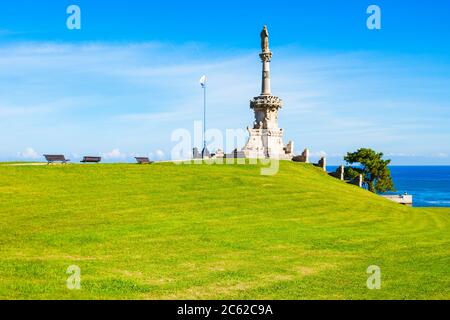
203, 81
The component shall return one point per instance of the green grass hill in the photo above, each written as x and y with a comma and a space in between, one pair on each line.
167, 231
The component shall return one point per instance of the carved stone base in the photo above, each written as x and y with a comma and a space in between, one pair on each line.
267, 143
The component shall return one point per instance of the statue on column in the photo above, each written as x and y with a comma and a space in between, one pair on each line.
265, 40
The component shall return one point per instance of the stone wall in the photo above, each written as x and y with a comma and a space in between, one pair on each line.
235, 155
304, 157
404, 199
339, 173
322, 164
196, 154
358, 181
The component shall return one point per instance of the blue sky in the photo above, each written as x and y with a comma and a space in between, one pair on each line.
123, 83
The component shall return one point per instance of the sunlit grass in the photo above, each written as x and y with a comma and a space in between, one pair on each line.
211, 231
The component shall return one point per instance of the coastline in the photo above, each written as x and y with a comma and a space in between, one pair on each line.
428, 184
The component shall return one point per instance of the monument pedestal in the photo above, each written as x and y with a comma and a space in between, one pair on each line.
264, 143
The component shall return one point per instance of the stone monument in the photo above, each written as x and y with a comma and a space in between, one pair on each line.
266, 138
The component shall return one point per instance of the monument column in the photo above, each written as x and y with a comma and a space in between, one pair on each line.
266, 138
265, 58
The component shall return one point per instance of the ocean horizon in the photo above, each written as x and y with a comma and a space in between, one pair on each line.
429, 185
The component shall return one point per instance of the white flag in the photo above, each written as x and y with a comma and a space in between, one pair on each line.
203, 80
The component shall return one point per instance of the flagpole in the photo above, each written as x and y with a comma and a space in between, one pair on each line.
203, 81
204, 121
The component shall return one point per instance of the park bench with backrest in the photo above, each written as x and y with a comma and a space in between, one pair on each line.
143, 160
90, 159
55, 158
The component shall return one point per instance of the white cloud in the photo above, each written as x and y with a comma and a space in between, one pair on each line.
156, 116
28, 153
128, 96
159, 154
400, 154
6, 32
114, 154
318, 154
419, 155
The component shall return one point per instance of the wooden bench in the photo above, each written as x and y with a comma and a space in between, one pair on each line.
89, 159
55, 158
143, 160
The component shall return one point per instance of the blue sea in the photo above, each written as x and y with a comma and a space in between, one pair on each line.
429, 185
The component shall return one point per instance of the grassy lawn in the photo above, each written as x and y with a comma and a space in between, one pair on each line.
212, 231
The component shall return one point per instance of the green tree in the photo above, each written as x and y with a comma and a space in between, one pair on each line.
374, 169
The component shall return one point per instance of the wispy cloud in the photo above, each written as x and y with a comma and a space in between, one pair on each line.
156, 117
159, 154
7, 32
114, 154
100, 96
28, 154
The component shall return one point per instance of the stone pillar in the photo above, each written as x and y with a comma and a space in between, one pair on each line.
266, 57
196, 154
290, 147
266, 90
340, 173
358, 181
323, 163
305, 155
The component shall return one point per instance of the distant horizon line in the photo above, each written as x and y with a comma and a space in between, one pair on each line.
166, 161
